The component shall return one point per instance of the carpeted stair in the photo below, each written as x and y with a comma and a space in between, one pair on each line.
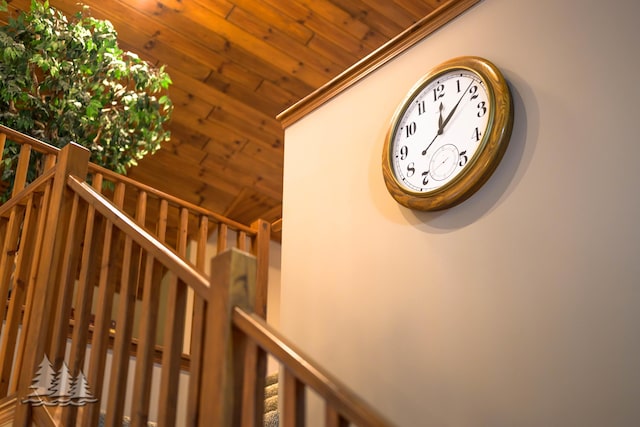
271, 414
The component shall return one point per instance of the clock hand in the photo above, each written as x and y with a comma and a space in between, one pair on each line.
441, 129
440, 126
443, 124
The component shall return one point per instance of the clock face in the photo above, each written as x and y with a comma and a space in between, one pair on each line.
448, 135
440, 131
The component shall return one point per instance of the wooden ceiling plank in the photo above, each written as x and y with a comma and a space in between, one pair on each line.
265, 31
188, 135
186, 151
272, 214
417, 9
271, 91
234, 177
189, 19
217, 98
188, 101
199, 23
248, 164
225, 143
236, 123
249, 204
264, 153
339, 17
391, 10
324, 46
271, 13
229, 79
218, 176
379, 23
235, 73
250, 127
215, 199
219, 7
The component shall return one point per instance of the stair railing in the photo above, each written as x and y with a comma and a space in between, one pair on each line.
55, 226
70, 255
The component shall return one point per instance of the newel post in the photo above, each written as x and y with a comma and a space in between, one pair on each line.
73, 159
232, 283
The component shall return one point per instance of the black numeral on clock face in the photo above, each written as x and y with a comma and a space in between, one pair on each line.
404, 152
477, 134
411, 169
425, 178
482, 107
438, 92
473, 90
463, 158
410, 129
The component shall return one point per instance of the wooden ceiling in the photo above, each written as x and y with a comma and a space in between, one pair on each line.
235, 65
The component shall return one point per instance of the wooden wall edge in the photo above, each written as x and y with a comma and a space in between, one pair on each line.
394, 47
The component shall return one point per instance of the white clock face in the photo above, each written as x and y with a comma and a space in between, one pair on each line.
440, 131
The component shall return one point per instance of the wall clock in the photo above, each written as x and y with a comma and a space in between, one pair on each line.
448, 135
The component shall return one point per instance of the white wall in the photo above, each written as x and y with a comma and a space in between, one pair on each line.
519, 307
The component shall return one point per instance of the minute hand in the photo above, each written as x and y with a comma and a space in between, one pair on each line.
441, 129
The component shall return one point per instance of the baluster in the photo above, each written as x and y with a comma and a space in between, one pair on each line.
89, 264
333, 418
293, 400
100, 338
124, 322
18, 290
197, 332
148, 325
174, 334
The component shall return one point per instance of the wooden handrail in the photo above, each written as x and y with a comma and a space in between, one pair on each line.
180, 267
335, 393
22, 138
116, 177
22, 195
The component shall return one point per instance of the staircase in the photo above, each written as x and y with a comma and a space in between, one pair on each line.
271, 414
107, 281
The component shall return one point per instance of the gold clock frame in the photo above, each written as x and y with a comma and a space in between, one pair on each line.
490, 150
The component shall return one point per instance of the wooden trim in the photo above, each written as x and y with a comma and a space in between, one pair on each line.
336, 394
276, 226
394, 47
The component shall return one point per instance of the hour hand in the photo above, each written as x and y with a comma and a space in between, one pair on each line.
440, 128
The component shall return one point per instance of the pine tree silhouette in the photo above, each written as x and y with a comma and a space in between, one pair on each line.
60, 389
80, 392
42, 382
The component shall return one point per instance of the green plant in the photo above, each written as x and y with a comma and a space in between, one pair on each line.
65, 80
